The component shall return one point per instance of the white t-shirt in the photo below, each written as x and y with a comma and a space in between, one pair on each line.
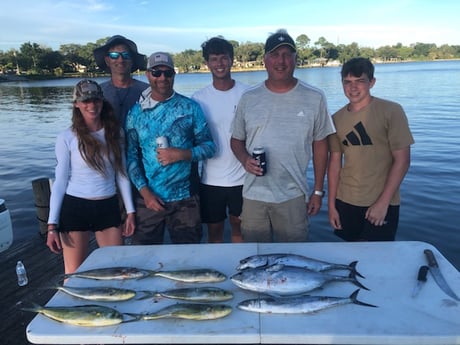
219, 107
74, 176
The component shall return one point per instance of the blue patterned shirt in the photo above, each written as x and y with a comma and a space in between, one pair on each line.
182, 121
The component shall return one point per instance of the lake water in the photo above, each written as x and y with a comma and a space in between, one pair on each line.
32, 113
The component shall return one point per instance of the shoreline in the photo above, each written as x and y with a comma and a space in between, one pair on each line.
5, 78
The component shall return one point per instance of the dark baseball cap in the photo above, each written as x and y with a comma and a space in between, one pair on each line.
278, 39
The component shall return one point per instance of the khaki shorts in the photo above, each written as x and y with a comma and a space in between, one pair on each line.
274, 222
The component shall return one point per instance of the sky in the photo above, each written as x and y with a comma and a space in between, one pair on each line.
176, 25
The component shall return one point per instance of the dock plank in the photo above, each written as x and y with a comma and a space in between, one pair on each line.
44, 269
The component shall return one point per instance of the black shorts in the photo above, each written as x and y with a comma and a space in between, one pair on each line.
355, 227
215, 200
79, 214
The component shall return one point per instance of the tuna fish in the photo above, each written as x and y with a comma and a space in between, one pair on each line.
265, 260
281, 280
298, 305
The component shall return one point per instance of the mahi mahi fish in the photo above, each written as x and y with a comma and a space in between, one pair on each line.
85, 315
197, 294
202, 275
99, 294
298, 305
189, 311
281, 280
112, 294
265, 260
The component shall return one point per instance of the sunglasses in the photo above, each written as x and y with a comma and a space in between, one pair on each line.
158, 72
116, 55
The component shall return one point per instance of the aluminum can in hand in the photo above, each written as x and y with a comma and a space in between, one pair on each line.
162, 142
259, 154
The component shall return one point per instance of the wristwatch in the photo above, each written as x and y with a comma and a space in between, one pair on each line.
319, 193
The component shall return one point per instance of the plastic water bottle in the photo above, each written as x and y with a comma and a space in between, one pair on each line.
21, 273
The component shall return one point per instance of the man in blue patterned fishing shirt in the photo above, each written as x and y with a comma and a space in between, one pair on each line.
164, 176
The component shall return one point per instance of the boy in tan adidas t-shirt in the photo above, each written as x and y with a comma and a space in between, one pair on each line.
369, 157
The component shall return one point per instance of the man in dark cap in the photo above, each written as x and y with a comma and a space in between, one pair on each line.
119, 56
289, 119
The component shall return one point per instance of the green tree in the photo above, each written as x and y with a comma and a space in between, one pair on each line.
422, 49
29, 54
189, 60
302, 41
71, 57
387, 53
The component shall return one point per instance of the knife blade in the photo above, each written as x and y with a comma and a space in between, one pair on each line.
437, 275
421, 280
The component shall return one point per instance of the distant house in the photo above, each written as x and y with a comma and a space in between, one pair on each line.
81, 68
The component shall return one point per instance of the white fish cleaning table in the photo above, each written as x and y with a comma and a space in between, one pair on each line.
390, 270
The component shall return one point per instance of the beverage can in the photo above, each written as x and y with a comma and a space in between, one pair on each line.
162, 142
259, 154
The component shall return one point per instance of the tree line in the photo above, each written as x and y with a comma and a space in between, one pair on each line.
35, 59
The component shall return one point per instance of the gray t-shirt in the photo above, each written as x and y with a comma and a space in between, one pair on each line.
122, 99
285, 124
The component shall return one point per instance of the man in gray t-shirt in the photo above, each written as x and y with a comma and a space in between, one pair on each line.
289, 119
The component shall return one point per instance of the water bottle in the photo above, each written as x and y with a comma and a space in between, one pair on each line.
21, 273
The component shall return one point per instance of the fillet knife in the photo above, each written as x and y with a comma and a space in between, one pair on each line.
421, 280
437, 275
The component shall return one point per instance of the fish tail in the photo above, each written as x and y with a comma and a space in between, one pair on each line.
155, 272
354, 300
134, 316
352, 267
147, 294
34, 307
355, 281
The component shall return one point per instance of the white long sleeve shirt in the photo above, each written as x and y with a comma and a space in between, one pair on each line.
74, 177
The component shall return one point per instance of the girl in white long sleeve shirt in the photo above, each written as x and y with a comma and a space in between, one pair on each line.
90, 167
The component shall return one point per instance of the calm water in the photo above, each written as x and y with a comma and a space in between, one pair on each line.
32, 113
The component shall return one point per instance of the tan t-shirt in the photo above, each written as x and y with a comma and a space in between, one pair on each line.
367, 139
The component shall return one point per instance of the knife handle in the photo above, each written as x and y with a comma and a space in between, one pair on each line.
430, 257
422, 272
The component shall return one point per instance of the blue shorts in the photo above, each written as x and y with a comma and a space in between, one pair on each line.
215, 200
355, 227
78, 214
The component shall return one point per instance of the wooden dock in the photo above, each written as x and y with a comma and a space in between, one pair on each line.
44, 268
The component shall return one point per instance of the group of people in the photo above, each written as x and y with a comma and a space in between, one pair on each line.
141, 158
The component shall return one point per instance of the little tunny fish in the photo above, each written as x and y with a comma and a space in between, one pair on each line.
99, 294
85, 315
198, 294
281, 280
298, 305
189, 311
203, 275
265, 260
